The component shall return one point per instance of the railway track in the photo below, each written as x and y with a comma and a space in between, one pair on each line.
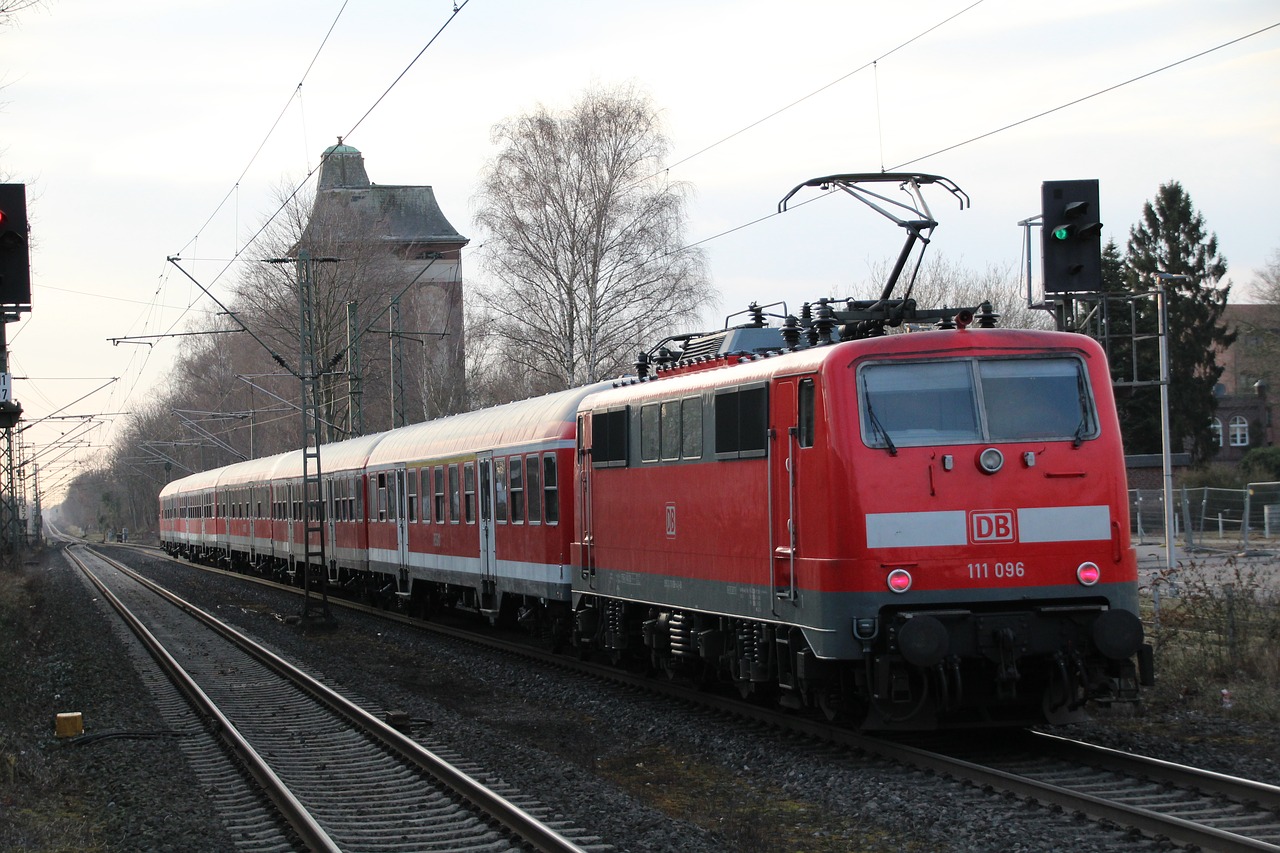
339, 777
1161, 800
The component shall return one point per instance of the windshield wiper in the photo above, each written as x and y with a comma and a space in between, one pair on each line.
1083, 393
878, 427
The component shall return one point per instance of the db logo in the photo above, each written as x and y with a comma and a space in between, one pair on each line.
671, 521
995, 525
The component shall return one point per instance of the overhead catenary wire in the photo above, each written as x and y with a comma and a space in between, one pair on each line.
863, 67
979, 137
1096, 94
293, 95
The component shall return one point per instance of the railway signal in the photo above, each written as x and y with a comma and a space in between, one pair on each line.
1071, 236
15, 259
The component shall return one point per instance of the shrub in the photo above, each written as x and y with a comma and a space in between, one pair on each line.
1218, 628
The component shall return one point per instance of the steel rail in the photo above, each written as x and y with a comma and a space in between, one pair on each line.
1148, 822
522, 824
293, 811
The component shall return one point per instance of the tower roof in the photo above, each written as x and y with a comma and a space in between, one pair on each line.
342, 166
348, 207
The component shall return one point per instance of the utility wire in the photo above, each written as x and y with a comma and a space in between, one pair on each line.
1088, 97
292, 95
974, 139
863, 67
285, 203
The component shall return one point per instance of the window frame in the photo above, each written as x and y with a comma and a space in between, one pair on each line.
1238, 431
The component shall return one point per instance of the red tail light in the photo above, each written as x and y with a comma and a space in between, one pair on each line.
899, 580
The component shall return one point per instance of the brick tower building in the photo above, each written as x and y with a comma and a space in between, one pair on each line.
405, 263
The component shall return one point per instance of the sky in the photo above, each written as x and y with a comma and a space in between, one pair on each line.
146, 129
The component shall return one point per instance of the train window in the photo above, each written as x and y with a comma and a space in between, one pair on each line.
500, 489
411, 495
970, 400
671, 429
469, 486
1032, 399
534, 472
517, 489
691, 428
649, 432
550, 492
609, 438
454, 501
918, 403
805, 415
357, 502
741, 422
438, 476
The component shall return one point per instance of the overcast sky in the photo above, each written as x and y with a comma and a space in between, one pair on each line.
137, 127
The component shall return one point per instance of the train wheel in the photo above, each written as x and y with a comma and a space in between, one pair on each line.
832, 706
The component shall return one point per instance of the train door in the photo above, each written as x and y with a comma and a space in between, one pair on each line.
330, 532
782, 490
585, 536
488, 544
399, 513
290, 525
792, 424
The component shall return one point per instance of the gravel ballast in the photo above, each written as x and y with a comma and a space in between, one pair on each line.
640, 773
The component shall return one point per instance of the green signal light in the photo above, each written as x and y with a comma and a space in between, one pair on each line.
1062, 232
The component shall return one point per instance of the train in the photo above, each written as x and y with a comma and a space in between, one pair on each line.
906, 531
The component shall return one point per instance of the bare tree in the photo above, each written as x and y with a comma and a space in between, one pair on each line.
9, 9
584, 239
942, 282
356, 268
1267, 281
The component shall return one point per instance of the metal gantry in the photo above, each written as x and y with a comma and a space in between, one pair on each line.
315, 566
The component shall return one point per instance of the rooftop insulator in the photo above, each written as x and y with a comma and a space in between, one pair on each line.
986, 316
825, 323
757, 315
791, 331
642, 364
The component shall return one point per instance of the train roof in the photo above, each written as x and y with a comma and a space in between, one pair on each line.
198, 481
738, 369
540, 419
349, 455
550, 417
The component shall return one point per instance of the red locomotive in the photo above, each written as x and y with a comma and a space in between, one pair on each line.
911, 531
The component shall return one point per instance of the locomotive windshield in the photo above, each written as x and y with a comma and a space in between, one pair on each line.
906, 404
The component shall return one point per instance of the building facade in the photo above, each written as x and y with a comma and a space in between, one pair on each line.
1246, 412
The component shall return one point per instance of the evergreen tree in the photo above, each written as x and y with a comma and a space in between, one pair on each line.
1171, 238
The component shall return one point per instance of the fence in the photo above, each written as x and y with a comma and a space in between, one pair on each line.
1227, 519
